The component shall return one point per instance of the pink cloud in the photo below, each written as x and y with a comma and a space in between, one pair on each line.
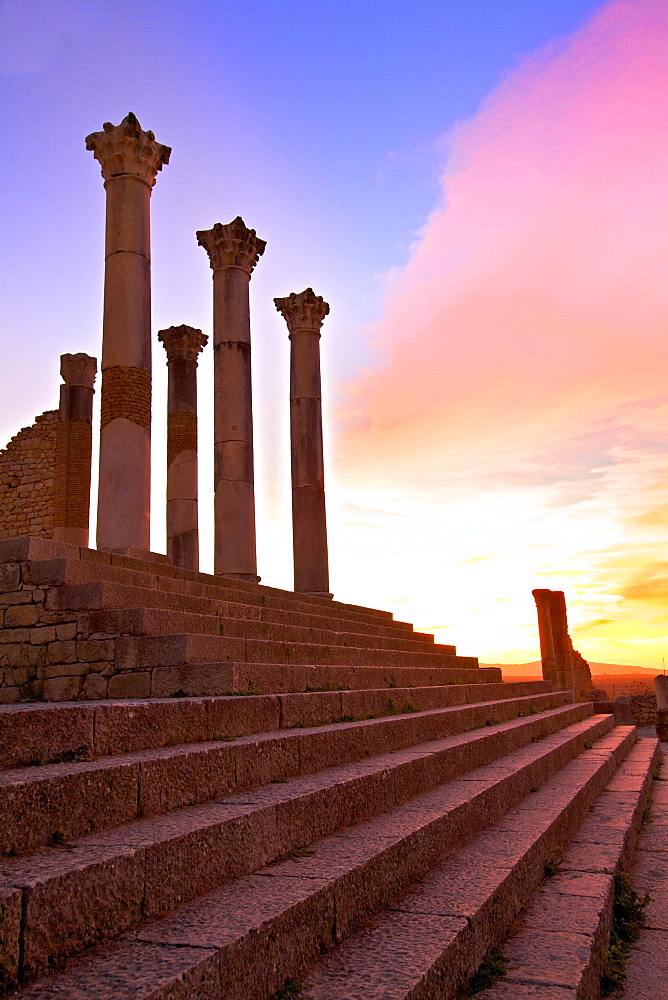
531, 316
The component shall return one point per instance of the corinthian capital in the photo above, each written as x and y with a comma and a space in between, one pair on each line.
233, 245
303, 311
127, 149
182, 342
78, 369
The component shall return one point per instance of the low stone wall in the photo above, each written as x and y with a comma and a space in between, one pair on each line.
643, 707
27, 475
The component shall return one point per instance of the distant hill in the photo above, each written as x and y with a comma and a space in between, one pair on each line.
533, 669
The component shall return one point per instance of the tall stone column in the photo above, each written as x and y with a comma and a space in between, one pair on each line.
304, 314
73, 449
183, 345
233, 251
130, 160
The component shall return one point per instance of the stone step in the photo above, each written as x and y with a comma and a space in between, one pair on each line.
69, 799
209, 679
94, 596
61, 572
57, 731
101, 885
152, 621
250, 935
158, 574
560, 942
463, 907
146, 652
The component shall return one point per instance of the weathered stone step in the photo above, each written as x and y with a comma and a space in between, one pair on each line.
146, 652
60, 572
153, 621
102, 884
156, 574
100, 595
69, 799
561, 940
448, 922
247, 937
208, 679
48, 732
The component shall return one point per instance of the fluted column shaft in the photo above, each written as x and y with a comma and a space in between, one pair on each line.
182, 344
233, 251
304, 314
130, 159
73, 449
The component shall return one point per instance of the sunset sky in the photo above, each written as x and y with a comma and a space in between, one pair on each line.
479, 188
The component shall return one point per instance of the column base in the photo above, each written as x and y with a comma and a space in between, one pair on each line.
319, 593
246, 577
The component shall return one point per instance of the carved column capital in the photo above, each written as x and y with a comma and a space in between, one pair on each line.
182, 342
232, 245
127, 149
78, 369
303, 310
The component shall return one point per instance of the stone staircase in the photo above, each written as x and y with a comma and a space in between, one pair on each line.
232, 790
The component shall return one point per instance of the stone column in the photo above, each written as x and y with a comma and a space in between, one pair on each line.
130, 159
549, 664
555, 642
183, 344
73, 449
304, 314
233, 252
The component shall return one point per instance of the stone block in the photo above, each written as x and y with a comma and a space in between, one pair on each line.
10, 576
61, 688
74, 898
126, 727
67, 631
92, 649
193, 680
62, 652
130, 685
39, 636
95, 687
66, 800
42, 731
21, 616
184, 776
234, 840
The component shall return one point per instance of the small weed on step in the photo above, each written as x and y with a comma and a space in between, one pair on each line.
292, 989
627, 920
493, 966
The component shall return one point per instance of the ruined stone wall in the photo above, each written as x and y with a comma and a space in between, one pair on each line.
643, 707
27, 472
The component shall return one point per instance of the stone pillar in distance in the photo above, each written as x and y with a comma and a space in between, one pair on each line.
556, 648
183, 345
71, 512
233, 251
130, 160
304, 314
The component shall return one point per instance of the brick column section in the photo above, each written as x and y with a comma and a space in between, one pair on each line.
183, 345
304, 314
555, 642
71, 512
233, 251
130, 159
